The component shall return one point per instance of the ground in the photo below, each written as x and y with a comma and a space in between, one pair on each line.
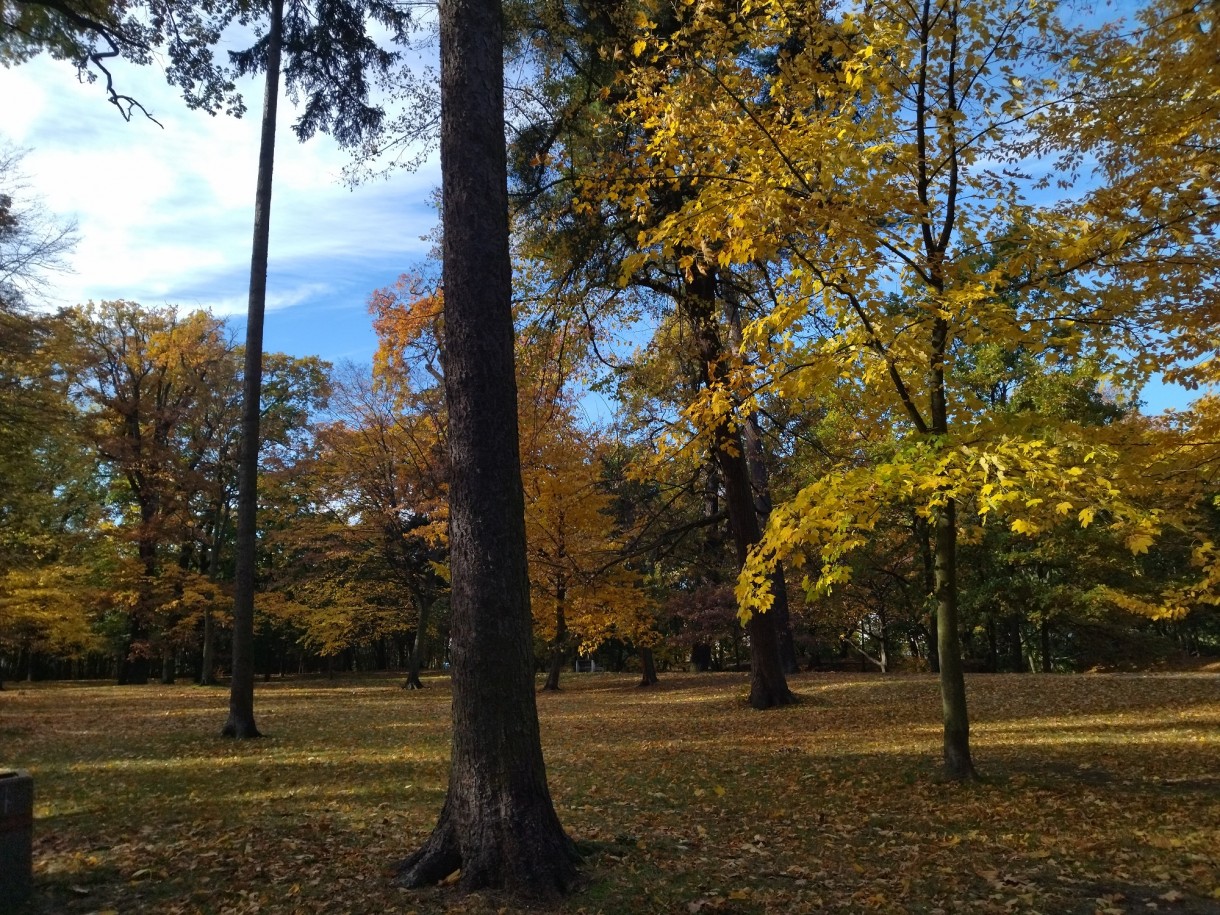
1100, 793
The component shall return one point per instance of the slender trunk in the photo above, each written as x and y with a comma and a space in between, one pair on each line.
1016, 661
649, 662
559, 647
885, 641
207, 667
924, 535
240, 722
1044, 636
417, 648
498, 825
958, 764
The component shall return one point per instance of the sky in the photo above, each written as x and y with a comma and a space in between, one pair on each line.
165, 214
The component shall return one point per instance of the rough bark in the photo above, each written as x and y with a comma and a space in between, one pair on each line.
240, 722
498, 824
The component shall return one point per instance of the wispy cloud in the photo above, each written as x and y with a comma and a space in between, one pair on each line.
165, 215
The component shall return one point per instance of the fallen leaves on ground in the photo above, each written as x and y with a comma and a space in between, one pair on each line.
1101, 794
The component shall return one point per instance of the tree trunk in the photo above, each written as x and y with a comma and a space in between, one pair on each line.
168, 666
559, 654
559, 647
649, 662
958, 764
1016, 660
498, 824
701, 657
240, 723
207, 665
417, 648
768, 685
929, 584
760, 485
1044, 637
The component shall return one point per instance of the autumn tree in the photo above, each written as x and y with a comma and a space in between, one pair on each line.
142, 375
371, 527
869, 163
498, 824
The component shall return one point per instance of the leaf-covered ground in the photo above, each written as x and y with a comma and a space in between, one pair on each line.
1101, 793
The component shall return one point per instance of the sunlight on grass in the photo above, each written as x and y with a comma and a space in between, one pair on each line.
1095, 786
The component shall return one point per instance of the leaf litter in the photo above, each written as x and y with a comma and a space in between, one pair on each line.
1101, 794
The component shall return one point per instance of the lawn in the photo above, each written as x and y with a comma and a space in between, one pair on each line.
1101, 793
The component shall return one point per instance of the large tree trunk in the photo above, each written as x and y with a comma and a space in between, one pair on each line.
649, 662
768, 685
760, 484
241, 685
498, 824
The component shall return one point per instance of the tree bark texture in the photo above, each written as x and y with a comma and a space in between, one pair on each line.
768, 685
240, 723
498, 824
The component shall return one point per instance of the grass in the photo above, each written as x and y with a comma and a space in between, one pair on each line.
1101, 793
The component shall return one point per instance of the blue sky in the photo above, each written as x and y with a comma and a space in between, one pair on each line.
165, 215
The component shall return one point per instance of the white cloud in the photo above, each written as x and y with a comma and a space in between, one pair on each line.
166, 215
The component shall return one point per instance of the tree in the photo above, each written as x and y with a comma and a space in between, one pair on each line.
240, 723
870, 166
144, 378
330, 55
498, 824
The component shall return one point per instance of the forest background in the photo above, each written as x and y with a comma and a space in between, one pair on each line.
902, 272
952, 322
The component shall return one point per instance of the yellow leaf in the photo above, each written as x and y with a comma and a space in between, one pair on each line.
1139, 542
1086, 517
1063, 507
638, 48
